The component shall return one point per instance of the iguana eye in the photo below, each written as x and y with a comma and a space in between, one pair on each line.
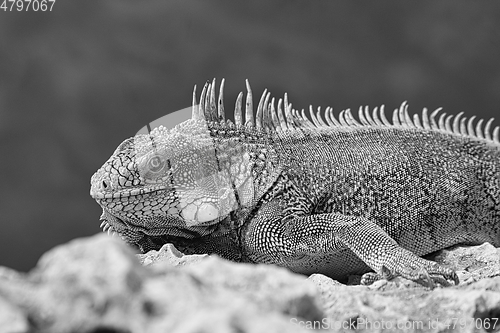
156, 164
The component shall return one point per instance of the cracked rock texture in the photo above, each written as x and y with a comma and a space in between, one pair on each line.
98, 284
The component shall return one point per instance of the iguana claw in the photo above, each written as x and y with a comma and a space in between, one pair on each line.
430, 278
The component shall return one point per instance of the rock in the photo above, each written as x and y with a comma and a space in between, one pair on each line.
97, 284
455, 309
170, 255
261, 284
12, 319
9, 274
472, 263
325, 285
400, 305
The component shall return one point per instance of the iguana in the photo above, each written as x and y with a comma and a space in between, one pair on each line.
331, 195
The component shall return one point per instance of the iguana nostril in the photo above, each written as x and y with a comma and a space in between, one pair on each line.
105, 184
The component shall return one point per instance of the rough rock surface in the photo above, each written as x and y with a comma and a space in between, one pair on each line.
400, 305
97, 284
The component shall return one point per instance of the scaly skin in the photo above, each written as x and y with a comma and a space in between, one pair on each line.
337, 197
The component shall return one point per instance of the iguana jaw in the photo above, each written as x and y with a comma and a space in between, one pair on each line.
97, 193
136, 211
168, 225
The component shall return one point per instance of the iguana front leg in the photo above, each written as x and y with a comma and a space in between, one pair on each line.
291, 239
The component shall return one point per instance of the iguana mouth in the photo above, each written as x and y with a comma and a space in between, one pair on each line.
111, 223
100, 192
168, 225
191, 214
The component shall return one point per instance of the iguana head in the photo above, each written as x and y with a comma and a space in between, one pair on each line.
184, 181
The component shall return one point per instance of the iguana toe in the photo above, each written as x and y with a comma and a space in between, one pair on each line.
430, 276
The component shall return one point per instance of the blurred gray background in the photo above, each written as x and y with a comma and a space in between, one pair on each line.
77, 81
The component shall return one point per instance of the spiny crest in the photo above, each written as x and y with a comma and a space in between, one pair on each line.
284, 117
